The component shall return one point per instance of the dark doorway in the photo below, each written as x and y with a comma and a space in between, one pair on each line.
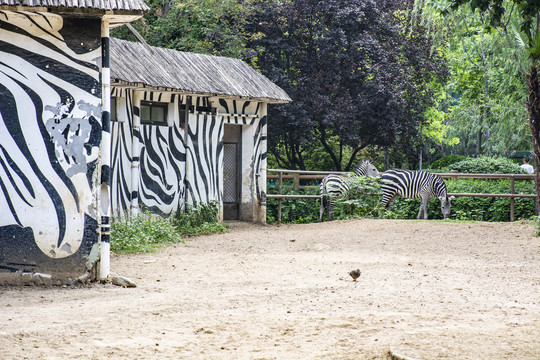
232, 144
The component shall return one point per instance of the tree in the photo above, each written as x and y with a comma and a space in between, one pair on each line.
528, 36
213, 27
358, 76
482, 102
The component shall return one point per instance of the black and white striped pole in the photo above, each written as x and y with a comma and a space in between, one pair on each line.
105, 246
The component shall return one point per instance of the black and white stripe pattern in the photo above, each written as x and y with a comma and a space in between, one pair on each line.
333, 186
50, 138
164, 183
414, 185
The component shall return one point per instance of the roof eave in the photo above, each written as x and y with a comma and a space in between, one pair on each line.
110, 15
138, 85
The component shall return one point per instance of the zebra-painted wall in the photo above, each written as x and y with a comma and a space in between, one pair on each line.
50, 137
175, 167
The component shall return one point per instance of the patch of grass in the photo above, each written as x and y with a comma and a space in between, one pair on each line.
199, 220
147, 232
143, 233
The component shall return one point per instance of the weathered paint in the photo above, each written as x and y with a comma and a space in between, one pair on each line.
50, 137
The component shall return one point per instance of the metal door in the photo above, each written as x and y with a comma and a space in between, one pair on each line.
231, 172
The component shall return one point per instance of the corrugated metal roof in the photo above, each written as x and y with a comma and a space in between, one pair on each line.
136, 63
130, 5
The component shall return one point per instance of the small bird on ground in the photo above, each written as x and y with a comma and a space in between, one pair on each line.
355, 274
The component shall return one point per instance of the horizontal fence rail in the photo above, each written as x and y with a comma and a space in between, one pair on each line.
297, 175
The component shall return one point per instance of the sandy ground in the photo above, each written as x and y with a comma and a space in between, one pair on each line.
428, 290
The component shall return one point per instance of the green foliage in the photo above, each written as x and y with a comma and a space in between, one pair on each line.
446, 161
359, 201
147, 232
199, 220
486, 165
298, 211
484, 100
143, 233
202, 26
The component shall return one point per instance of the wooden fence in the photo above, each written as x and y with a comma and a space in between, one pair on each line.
297, 175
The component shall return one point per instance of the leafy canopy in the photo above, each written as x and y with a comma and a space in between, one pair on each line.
357, 75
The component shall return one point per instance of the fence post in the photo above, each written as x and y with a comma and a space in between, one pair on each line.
280, 187
512, 198
296, 181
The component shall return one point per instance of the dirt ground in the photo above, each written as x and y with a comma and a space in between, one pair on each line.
428, 290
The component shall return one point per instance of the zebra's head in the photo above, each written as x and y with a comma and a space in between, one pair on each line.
446, 205
366, 168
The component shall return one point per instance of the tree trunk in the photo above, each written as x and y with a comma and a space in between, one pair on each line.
533, 107
479, 142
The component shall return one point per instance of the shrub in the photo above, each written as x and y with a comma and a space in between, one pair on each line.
360, 201
486, 165
199, 220
298, 211
446, 161
146, 232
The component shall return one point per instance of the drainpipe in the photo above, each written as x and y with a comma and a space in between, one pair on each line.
135, 152
105, 246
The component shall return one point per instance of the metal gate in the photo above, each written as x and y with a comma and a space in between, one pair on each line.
231, 189
232, 160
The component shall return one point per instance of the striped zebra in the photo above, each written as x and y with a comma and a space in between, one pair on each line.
334, 185
414, 185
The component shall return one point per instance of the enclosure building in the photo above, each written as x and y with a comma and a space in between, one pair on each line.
188, 129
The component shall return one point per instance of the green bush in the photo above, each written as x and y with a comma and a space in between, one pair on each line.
446, 161
199, 220
486, 165
143, 233
146, 232
360, 200
299, 211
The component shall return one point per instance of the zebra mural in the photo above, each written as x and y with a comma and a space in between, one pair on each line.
50, 138
180, 162
414, 185
148, 161
333, 186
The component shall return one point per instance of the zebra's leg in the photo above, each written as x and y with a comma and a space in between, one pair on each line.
423, 208
330, 210
390, 203
324, 203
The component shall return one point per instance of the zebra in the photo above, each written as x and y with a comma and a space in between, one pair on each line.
414, 185
334, 185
